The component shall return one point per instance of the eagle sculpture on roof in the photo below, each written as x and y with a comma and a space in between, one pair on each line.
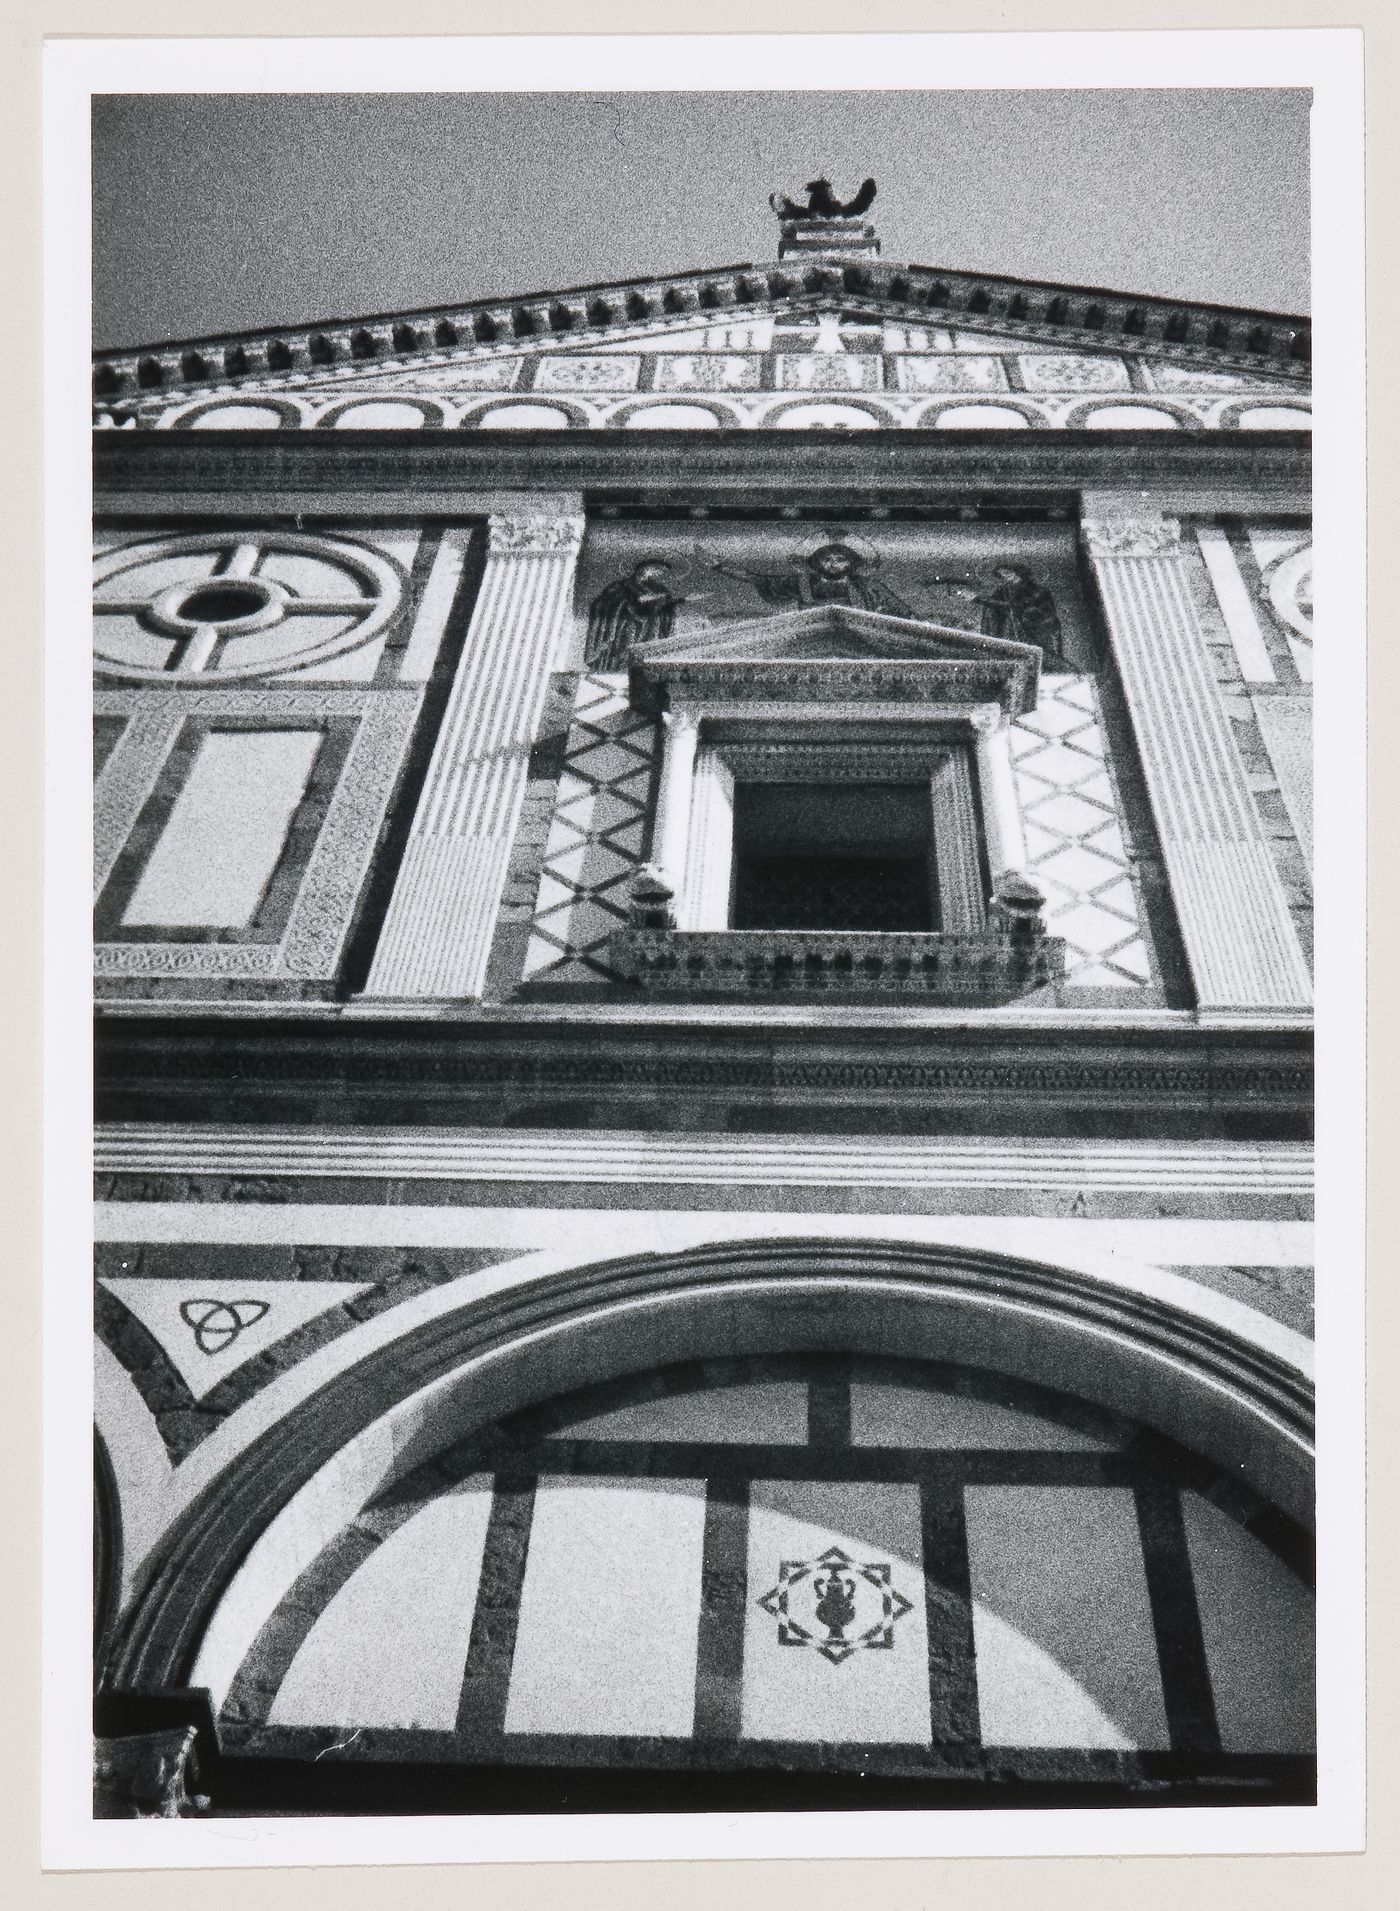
822, 202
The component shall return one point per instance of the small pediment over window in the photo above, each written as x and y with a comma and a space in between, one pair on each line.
833, 653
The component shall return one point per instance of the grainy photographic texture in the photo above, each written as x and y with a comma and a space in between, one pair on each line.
703, 952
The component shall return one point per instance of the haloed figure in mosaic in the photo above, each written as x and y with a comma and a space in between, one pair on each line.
835, 573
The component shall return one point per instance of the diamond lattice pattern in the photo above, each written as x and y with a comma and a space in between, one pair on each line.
1074, 837
595, 835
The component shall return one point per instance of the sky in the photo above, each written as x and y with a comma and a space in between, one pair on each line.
224, 213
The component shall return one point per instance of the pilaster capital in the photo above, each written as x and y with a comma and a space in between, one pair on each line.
1141, 534
534, 534
681, 720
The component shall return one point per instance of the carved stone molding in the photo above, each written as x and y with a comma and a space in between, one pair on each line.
1045, 315
836, 965
148, 1775
450, 472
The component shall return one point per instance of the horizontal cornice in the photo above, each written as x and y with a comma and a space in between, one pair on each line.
1220, 336
1244, 1082
429, 470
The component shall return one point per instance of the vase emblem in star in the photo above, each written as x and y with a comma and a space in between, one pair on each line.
836, 1605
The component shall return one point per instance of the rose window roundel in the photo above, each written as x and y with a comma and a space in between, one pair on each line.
1289, 584
229, 605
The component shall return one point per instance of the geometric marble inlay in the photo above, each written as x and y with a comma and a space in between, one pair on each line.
1074, 840
847, 1605
595, 835
207, 1328
835, 1634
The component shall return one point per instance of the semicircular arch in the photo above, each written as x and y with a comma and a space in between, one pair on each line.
1242, 1405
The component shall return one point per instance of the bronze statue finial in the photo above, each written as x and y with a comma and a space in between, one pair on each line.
822, 202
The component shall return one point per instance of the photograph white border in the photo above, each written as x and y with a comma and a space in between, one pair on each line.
1329, 61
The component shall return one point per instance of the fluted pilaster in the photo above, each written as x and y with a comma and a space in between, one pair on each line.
709, 860
680, 736
442, 915
1234, 918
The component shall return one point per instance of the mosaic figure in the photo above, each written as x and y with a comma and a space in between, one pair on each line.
637, 609
1011, 604
835, 573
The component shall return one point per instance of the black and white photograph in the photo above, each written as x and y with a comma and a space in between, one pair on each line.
703, 957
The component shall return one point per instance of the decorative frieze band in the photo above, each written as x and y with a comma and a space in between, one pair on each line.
442, 915
1234, 918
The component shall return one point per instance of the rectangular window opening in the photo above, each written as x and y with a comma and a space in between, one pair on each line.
834, 856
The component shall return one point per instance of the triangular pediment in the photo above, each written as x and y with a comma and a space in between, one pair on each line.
831, 630
832, 653
794, 347
746, 335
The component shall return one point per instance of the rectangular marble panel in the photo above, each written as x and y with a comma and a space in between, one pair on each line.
610, 371
1066, 1653
829, 371
894, 1416
226, 830
1072, 371
1257, 1624
390, 1647
835, 1640
917, 338
950, 373
708, 371
610, 1609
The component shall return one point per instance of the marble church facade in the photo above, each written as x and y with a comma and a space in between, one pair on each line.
703, 929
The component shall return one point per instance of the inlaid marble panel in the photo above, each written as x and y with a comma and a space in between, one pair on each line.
1071, 371
836, 1642
1065, 1649
596, 834
390, 1647
829, 371
610, 1609
950, 373
708, 371
604, 371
